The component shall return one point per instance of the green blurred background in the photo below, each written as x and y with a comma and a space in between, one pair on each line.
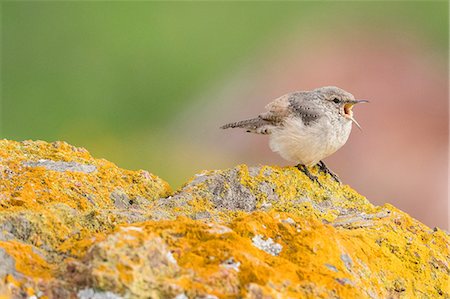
114, 77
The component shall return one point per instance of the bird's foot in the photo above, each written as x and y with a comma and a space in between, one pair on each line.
325, 169
306, 171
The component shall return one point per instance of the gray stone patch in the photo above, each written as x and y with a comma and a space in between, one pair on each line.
331, 267
92, 294
201, 215
90, 198
120, 199
199, 178
179, 200
254, 171
18, 226
229, 194
225, 191
171, 258
288, 221
267, 172
7, 264
163, 207
344, 281
358, 220
265, 206
268, 245
6, 236
347, 261
61, 166
268, 189
160, 215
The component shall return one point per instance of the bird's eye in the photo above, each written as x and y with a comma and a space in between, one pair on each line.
336, 100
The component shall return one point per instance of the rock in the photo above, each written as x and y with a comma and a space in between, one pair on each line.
76, 227
92, 294
54, 195
268, 245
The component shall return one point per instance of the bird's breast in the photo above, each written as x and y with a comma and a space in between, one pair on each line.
308, 144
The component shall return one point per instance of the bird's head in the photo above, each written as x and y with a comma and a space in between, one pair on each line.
339, 101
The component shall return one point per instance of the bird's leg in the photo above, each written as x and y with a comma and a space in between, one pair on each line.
305, 170
326, 170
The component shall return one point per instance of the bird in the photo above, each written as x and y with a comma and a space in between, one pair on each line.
305, 127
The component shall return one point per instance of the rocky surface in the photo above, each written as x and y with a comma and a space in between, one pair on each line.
72, 226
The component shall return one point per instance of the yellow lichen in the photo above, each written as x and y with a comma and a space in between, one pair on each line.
337, 262
245, 232
59, 210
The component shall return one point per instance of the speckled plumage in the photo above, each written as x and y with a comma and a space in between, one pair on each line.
305, 126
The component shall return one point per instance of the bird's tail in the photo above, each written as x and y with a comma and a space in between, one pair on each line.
242, 124
253, 125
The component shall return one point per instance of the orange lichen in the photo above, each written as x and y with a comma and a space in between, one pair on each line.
241, 232
316, 259
28, 262
59, 209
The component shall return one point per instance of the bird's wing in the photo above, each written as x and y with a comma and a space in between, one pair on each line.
277, 110
304, 106
296, 104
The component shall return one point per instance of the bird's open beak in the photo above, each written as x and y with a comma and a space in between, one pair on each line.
348, 110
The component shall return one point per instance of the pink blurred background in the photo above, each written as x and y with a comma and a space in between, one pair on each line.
400, 157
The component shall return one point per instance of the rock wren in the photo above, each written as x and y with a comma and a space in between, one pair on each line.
306, 126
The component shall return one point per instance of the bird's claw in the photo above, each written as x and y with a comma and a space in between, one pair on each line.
306, 172
326, 170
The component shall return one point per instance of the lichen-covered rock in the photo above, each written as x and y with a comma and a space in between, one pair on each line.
221, 194
75, 227
53, 195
